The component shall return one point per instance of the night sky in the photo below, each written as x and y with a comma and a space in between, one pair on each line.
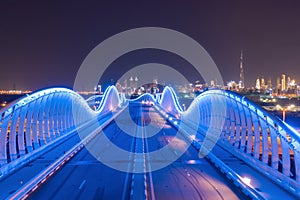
43, 43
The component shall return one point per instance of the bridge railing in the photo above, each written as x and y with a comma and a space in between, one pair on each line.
29, 124
256, 136
37, 119
253, 134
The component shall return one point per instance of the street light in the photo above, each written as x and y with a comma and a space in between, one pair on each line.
284, 109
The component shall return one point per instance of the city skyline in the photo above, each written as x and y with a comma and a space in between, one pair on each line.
268, 81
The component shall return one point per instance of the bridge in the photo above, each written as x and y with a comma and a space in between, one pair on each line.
55, 145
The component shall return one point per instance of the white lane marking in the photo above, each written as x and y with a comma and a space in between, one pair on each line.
82, 184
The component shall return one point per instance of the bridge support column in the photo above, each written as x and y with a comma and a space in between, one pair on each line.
21, 137
3, 138
250, 134
13, 136
52, 135
42, 142
243, 127
35, 142
29, 149
286, 162
48, 139
29, 121
256, 135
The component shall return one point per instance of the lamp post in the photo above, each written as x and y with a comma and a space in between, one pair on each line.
284, 109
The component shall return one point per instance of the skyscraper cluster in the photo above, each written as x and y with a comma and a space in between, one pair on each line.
285, 85
129, 86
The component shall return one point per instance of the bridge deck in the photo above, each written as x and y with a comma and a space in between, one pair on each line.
189, 177
85, 177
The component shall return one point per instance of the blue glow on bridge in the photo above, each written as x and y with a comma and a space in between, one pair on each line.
253, 134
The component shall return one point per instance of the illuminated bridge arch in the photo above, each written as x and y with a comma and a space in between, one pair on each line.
39, 118
94, 101
169, 101
250, 132
111, 100
144, 98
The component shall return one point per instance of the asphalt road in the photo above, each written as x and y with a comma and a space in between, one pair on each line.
188, 177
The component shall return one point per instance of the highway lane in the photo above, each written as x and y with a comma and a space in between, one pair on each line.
189, 177
84, 176
14, 181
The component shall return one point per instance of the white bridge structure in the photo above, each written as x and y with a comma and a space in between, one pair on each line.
251, 133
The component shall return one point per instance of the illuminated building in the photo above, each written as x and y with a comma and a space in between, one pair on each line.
269, 83
257, 84
155, 80
242, 78
232, 85
262, 86
212, 83
283, 82
131, 82
135, 84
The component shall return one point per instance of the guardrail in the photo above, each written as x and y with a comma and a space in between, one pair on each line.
42, 177
18, 163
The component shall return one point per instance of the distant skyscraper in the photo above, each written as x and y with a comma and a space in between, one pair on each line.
278, 84
212, 83
283, 82
131, 82
288, 84
242, 78
155, 80
262, 83
270, 83
135, 85
257, 84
